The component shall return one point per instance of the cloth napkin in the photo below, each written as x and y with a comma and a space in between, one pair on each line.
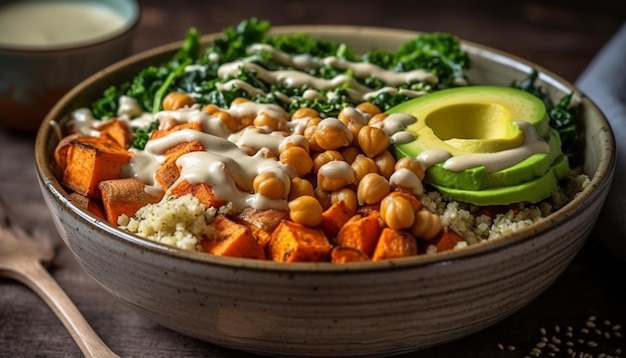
604, 82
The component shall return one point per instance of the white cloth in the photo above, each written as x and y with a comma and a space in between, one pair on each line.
604, 81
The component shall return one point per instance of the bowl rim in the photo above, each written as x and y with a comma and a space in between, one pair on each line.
600, 179
129, 25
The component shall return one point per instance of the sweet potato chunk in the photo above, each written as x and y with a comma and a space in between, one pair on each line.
168, 172
446, 240
125, 196
228, 238
394, 243
91, 205
342, 254
360, 232
118, 130
159, 133
293, 242
267, 220
335, 217
202, 191
90, 160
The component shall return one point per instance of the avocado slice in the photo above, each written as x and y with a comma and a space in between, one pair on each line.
478, 120
531, 191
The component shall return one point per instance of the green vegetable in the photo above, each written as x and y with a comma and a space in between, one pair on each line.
143, 134
563, 117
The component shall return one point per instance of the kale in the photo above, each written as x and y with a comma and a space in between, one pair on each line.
143, 134
438, 53
564, 117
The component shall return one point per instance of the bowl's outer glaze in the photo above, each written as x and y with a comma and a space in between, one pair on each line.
373, 309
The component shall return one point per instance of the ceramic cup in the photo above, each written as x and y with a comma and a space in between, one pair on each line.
47, 47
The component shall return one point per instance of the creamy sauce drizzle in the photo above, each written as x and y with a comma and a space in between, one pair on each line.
491, 161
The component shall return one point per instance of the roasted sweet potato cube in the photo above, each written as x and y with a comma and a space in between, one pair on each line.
91, 205
228, 238
118, 130
168, 172
202, 191
335, 217
342, 255
125, 196
394, 243
90, 160
360, 232
159, 133
293, 242
267, 219
446, 240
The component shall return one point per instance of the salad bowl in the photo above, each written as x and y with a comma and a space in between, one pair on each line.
317, 309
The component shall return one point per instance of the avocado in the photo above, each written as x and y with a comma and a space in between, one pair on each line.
472, 121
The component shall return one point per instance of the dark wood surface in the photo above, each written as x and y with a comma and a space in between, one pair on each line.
562, 36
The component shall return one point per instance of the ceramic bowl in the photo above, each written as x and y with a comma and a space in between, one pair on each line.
37, 69
357, 309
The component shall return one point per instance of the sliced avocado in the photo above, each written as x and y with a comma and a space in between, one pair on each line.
478, 178
531, 191
476, 120
471, 119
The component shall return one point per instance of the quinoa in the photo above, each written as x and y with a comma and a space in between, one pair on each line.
175, 221
476, 224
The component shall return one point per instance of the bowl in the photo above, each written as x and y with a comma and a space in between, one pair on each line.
47, 47
312, 309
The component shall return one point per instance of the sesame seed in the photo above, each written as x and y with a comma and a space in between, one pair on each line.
592, 344
500, 346
590, 324
569, 334
592, 318
598, 332
542, 331
557, 328
569, 343
607, 335
618, 351
540, 344
607, 322
553, 348
569, 328
584, 330
510, 348
544, 339
555, 340
580, 340
617, 334
617, 327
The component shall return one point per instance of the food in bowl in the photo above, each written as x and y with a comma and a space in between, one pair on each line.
358, 309
295, 149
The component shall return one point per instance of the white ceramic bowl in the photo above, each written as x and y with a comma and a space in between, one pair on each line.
358, 309
39, 68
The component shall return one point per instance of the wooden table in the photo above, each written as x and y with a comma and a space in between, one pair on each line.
562, 37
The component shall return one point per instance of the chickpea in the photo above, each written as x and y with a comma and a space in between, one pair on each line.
309, 134
298, 158
405, 180
239, 100
372, 189
211, 108
304, 112
373, 141
332, 134
350, 114
368, 107
427, 225
324, 157
300, 187
335, 175
270, 184
228, 120
264, 119
177, 100
362, 166
397, 212
323, 197
294, 140
385, 162
349, 154
346, 195
306, 210
411, 164
377, 118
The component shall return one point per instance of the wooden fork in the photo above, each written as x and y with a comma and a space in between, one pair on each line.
22, 259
